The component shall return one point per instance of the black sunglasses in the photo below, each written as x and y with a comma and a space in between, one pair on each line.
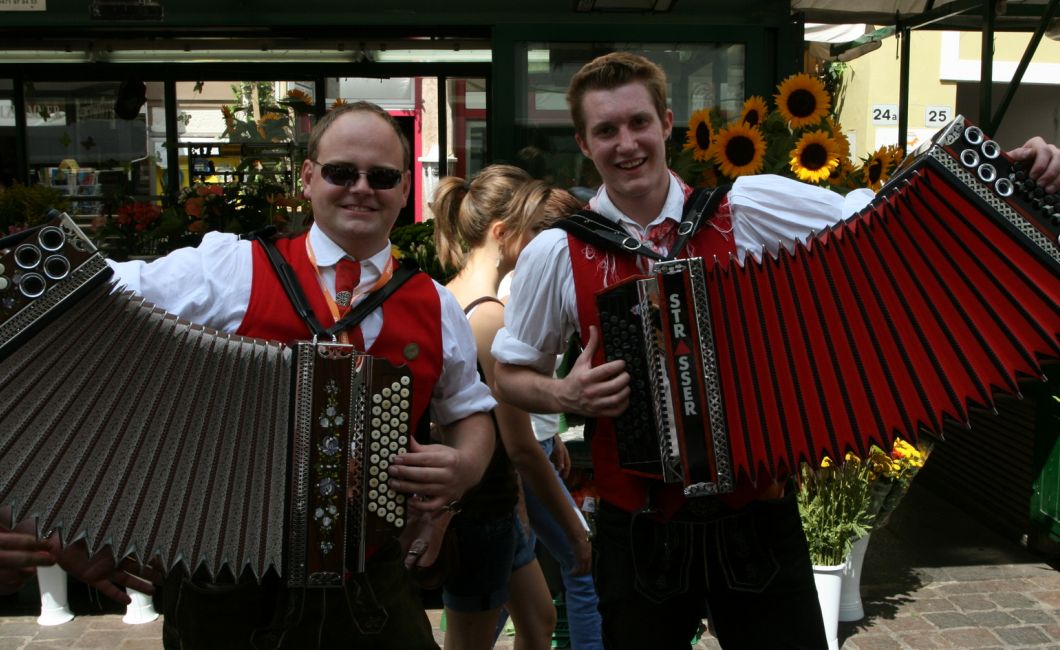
379, 178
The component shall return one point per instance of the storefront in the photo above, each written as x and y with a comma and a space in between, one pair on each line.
235, 100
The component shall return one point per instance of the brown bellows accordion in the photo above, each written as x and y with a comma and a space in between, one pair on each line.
165, 440
942, 291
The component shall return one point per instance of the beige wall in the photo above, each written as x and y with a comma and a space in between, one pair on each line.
944, 67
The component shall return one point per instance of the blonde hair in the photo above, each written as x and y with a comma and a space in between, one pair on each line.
463, 211
539, 204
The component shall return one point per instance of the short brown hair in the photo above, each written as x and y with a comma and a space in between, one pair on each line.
357, 107
611, 71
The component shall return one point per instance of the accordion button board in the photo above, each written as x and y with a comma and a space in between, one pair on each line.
353, 418
942, 292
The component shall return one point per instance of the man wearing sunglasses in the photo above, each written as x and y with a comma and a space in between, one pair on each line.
357, 178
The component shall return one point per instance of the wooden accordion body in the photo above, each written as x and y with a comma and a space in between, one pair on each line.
128, 427
942, 291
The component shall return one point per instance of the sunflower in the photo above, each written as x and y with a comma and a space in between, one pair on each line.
875, 168
814, 157
739, 150
840, 139
700, 135
802, 100
754, 111
841, 175
300, 96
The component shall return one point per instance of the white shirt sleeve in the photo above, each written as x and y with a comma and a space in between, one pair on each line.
769, 209
542, 311
208, 284
459, 391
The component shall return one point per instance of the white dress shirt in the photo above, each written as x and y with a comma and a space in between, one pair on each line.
542, 311
211, 284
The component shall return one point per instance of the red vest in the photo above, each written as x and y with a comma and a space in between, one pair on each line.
412, 317
595, 270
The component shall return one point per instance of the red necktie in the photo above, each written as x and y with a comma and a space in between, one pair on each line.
662, 236
347, 276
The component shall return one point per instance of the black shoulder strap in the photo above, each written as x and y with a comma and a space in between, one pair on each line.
478, 301
598, 230
297, 298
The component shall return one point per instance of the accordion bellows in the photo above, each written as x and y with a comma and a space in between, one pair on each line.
170, 442
943, 291
116, 422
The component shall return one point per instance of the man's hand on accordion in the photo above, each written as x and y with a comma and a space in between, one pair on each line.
20, 555
1045, 165
439, 475
102, 571
602, 391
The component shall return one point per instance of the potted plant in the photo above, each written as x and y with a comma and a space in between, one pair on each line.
835, 503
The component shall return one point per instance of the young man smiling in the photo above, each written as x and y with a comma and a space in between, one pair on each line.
663, 561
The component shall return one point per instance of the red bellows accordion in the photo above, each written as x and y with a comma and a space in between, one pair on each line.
131, 428
945, 289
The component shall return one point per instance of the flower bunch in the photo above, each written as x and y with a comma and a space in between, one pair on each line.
835, 504
236, 207
799, 138
138, 215
902, 464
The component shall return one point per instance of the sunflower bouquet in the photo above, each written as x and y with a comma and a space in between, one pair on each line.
798, 137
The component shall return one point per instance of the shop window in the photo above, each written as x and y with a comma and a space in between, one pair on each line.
78, 145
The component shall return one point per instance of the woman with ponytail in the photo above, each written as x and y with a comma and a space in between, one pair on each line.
481, 226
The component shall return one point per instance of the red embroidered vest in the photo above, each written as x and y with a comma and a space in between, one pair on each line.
412, 318
595, 270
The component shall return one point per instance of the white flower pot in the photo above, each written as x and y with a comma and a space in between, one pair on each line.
850, 607
54, 606
829, 581
140, 610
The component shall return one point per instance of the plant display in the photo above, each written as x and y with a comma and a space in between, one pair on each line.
799, 137
25, 206
841, 501
415, 241
138, 227
835, 505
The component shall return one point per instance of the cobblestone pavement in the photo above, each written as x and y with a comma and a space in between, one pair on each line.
932, 579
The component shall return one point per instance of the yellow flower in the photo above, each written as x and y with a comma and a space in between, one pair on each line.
802, 100
298, 95
700, 136
876, 168
814, 157
754, 111
839, 175
230, 118
739, 150
840, 139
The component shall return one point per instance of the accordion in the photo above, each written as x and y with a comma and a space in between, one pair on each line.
941, 292
128, 427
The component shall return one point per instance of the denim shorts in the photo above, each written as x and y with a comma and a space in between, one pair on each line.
486, 549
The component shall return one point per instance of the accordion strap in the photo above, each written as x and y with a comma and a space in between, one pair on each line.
598, 230
293, 289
